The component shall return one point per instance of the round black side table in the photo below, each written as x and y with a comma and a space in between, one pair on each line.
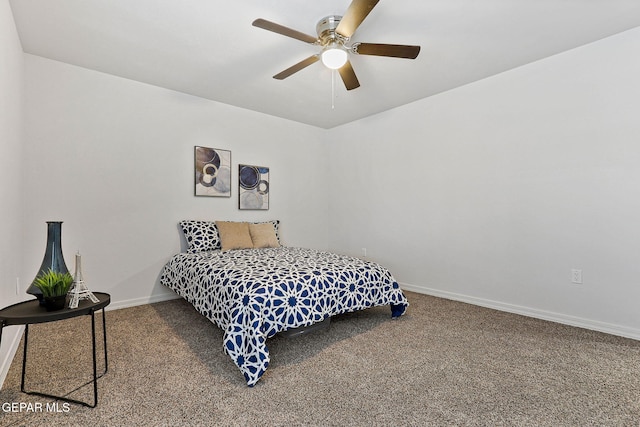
31, 312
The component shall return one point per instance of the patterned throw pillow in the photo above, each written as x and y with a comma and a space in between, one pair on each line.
201, 235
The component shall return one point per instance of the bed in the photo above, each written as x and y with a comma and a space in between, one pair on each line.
255, 290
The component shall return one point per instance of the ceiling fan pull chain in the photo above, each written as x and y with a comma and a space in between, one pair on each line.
333, 88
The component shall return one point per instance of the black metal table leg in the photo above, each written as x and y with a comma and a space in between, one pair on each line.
104, 334
24, 356
95, 369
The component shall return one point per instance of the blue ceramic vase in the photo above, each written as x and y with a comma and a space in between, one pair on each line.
53, 258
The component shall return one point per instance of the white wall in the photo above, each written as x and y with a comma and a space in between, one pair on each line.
493, 192
113, 159
11, 95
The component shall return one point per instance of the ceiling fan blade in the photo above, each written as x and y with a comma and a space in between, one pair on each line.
285, 31
394, 50
297, 67
349, 76
353, 17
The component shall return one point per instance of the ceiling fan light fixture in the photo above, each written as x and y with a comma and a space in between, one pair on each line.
333, 56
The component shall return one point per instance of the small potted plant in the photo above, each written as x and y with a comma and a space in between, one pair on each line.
54, 286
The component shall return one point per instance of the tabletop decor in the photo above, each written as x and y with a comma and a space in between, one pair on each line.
53, 258
79, 289
54, 286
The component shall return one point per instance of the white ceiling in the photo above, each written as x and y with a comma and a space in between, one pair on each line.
209, 48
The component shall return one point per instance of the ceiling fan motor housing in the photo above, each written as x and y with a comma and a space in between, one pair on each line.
326, 28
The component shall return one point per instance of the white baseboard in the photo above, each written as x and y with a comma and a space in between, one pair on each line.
11, 337
165, 296
595, 325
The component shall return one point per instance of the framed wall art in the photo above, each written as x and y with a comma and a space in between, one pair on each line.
253, 187
212, 172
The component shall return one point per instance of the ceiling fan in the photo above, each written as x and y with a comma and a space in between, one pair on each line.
334, 34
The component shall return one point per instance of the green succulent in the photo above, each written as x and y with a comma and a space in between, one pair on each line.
53, 283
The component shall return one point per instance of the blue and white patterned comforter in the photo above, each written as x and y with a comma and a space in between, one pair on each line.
252, 294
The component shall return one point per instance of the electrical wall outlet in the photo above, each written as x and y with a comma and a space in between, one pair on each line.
364, 252
576, 276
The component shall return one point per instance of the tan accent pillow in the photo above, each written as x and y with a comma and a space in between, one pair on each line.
234, 235
263, 235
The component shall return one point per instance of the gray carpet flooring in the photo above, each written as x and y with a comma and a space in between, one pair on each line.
445, 363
